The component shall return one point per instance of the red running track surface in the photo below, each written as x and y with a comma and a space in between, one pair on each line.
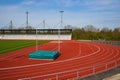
77, 59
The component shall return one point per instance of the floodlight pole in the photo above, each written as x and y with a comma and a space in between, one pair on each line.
44, 24
11, 25
27, 19
36, 41
59, 30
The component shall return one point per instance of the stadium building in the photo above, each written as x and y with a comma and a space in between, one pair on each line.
32, 34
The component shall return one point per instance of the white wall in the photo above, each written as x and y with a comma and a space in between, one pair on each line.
39, 37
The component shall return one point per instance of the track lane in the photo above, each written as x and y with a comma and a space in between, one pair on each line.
68, 65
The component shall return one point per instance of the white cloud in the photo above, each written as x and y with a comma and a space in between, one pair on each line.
28, 2
37, 2
99, 2
102, 4
8, 8
68, 3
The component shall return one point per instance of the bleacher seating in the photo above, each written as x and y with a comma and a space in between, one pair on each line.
33, 37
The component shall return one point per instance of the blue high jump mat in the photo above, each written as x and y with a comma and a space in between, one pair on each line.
43, 54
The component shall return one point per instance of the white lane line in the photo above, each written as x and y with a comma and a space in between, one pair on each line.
107, 52
52, 62
20, 72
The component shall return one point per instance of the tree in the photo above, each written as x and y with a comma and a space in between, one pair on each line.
117, 30
70, 27
105, 29
90, 28
116, 33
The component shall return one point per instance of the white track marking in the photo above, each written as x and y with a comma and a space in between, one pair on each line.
49, 70
52, 62
112, 51
67, 70
55, 69
14, 76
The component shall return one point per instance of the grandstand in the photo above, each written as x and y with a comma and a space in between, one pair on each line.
29, 34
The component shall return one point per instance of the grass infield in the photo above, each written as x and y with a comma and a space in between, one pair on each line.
11, 45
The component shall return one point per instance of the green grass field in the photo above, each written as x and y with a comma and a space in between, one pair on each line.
11, 45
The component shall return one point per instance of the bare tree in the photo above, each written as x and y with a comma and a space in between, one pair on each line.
90, 28
105, 29
117, 29
70, 27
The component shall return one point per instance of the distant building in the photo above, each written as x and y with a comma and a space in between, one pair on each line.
42, 34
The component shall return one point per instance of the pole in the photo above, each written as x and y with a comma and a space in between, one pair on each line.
59, 30
77, 74
106, 67
27, 19
44, 24
36, 41
56, 76
11, 25
94, 70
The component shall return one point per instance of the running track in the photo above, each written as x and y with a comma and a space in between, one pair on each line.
77, 60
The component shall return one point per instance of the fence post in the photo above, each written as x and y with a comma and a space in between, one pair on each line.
94, 70
115, 63
77, 74
106, 67
56, 76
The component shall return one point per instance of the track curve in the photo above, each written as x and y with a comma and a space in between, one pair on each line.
76, 59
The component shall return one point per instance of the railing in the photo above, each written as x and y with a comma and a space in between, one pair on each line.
117, 43
33, 31
78, 73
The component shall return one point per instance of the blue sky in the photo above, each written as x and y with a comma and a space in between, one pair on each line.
79, 13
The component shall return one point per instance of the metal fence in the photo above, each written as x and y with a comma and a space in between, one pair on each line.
33, 31
117, 43
76, 74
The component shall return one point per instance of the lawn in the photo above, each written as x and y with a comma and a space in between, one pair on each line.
11, 45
